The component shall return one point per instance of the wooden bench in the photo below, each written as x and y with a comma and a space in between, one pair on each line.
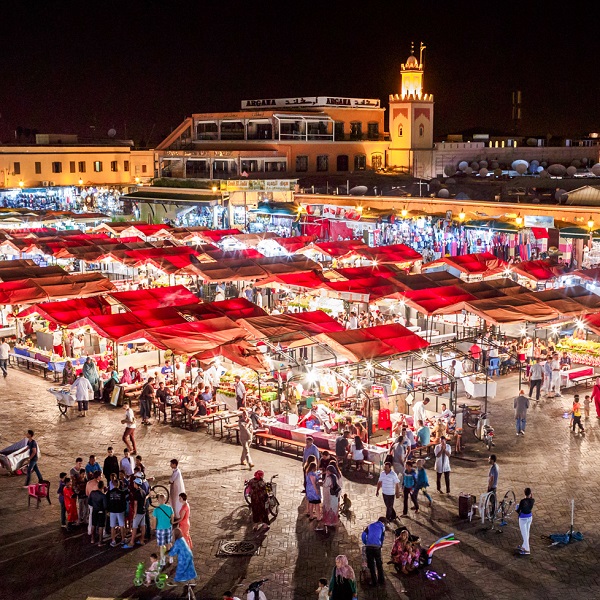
280, 442
30, 362
418, 451
587, 379
367, 463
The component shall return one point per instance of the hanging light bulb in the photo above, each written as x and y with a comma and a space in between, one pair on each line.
461, 215
590, 223
404, 213
519, 220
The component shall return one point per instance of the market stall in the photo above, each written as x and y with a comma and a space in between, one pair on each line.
470, 267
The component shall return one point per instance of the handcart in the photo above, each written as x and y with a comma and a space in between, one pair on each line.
64, 398
14, 458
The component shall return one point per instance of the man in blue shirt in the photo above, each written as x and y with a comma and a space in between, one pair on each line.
423, 434
310, 449
92, 467
372, 537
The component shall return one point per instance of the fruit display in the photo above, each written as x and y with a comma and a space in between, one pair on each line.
582, 352
268, 389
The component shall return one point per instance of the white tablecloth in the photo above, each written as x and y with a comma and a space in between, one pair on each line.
477, 389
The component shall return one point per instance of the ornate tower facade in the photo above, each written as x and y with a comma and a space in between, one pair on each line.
411, 120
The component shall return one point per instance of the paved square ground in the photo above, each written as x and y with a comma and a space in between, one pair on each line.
38, 559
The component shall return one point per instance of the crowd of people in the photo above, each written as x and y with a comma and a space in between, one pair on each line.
113, 502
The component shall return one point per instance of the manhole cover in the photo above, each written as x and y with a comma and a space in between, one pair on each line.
237, 548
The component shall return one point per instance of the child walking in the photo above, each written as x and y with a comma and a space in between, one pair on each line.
423, 480
576, 414
323, 589
586, 407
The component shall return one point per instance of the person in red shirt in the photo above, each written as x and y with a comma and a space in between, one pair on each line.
475, 352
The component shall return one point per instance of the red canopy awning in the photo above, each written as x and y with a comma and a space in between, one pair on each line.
30, 291
192, 337
382, 341
295, 243
372, 271
395, 253
175, 295
483, 263
432, 300
371, 288
291, 327
68, 311
311, 280
537, 270
241, 353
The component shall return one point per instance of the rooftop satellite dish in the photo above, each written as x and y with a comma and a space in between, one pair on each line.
112, 132
359, 190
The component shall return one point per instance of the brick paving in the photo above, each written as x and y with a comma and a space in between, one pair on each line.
38, 559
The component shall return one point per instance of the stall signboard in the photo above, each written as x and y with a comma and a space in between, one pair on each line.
340, 212
258, 185
311, 102
539, 221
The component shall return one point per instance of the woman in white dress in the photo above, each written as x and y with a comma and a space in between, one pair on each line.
176, 487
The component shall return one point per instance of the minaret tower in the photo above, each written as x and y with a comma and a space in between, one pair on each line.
410, 117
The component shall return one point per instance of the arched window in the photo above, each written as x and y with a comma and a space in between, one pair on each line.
421, 130
399, 130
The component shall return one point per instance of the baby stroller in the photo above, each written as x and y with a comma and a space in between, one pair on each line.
15, 457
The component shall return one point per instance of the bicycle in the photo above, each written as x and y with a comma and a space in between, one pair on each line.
155, 492
491, 510
470, 414
479, 422
272, 502
160, 579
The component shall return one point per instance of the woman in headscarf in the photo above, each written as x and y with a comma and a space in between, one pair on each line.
126, 377
90, 372
331, 501
109, 384
258, 501
343, 581
68, 376
185, 570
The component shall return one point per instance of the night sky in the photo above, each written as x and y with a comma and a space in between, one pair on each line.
141, 67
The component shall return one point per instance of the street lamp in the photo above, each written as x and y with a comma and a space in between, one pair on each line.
81, 182
590, 223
